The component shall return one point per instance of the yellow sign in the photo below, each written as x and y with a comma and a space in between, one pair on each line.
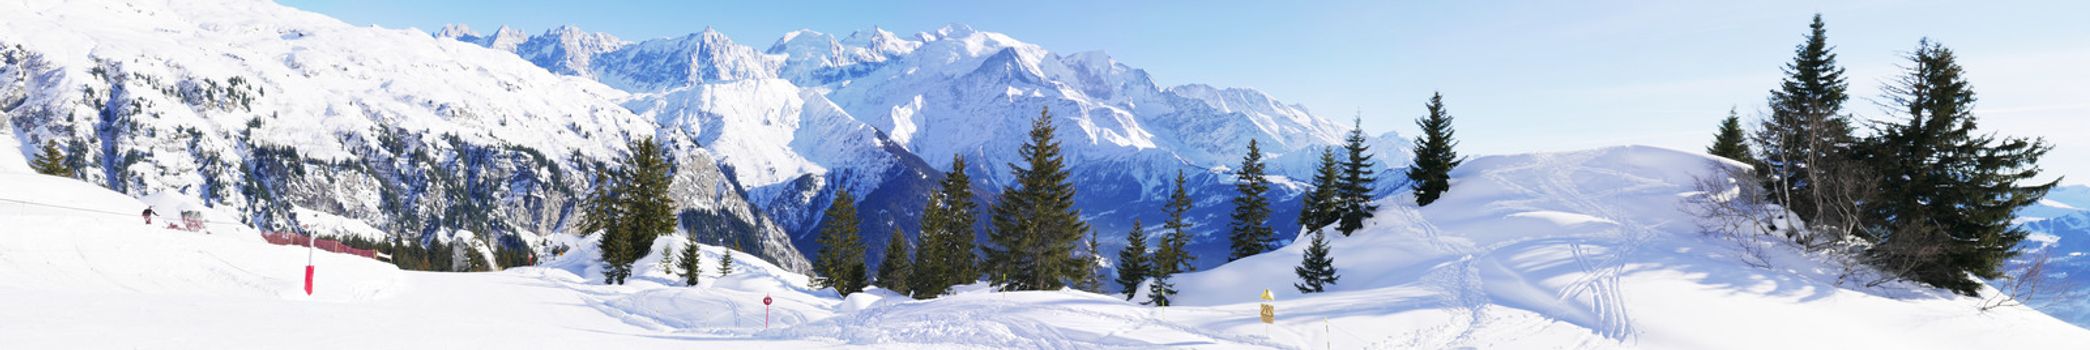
1269, 314
1267, 296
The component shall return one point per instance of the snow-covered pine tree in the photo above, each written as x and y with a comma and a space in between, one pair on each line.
1430, 176
1801, 145
840, 264
51, 161
946, 256
1036, 226
1946, 218
725, 261
1319, 207
1250, 232
1354, 194
1316, 269
1173, 256
1731, 142
893, 270
1133, 265
691, 262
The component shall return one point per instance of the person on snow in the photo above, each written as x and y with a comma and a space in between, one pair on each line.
148, 215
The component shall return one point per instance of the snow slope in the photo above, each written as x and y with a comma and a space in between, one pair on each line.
1589, 249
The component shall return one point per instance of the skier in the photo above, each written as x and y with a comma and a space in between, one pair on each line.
147, 215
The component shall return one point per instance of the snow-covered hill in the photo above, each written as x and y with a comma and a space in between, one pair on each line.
881, 114
1584, 250
269, 110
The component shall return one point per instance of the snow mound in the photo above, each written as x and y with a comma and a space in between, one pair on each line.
1593, 248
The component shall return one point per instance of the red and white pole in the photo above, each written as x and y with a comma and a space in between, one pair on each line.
765, 311
309, 242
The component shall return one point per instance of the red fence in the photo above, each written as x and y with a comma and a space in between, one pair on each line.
287, 238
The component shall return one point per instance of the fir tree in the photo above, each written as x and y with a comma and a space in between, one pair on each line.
1804, 136
1731, 142
1091, 254
692, 262
1945, 218
51, 161
631, 208
1319, 207
946, 257
1036, 225
840, 264
603, 209
1172, 257
1316, 269
725, 261
1250, 232
1354, 193
893, 270
1133, 265
1430, 176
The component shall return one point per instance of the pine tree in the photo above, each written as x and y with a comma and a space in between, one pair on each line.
1354, 193
1731, 142
840, 264
692, 262
947, 257
51, 161
893, 270
1035, 224
1091, 254
725, 261
1250, 232
1945, 217
1316, 269
1430, 176
631, 208
649, 213
1173, 256
1804, 136
1319, 207
1133, 266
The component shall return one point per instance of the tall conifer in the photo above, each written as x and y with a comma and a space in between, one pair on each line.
1250, 232
1036, 226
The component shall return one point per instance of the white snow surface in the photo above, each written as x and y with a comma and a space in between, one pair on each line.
1582, 250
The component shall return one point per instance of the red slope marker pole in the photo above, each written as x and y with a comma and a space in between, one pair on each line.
309, 242
765, 311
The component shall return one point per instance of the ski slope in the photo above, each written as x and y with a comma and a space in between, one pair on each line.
1577, 250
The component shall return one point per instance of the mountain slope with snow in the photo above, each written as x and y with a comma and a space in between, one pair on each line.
270, 110
896, 109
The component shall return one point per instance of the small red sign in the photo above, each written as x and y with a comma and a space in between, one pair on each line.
765, 300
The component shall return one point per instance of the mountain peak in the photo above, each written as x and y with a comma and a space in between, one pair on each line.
455, 30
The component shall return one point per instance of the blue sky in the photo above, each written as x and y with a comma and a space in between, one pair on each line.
1520, 76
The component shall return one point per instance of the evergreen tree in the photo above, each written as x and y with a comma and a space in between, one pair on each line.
1173, 256
51, 161
947, 257
1319, 207
1133, 265
840, 264
1945, 217
1035, 224
691, 261
894, 269
1250, 231
1091, 255
1316, 269
1731, 142
725, 261
649, 213
1805, 135
631, 208
1354, 193
1430, 176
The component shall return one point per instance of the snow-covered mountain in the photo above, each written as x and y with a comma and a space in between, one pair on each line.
2060, 228
896, 110
261, 109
